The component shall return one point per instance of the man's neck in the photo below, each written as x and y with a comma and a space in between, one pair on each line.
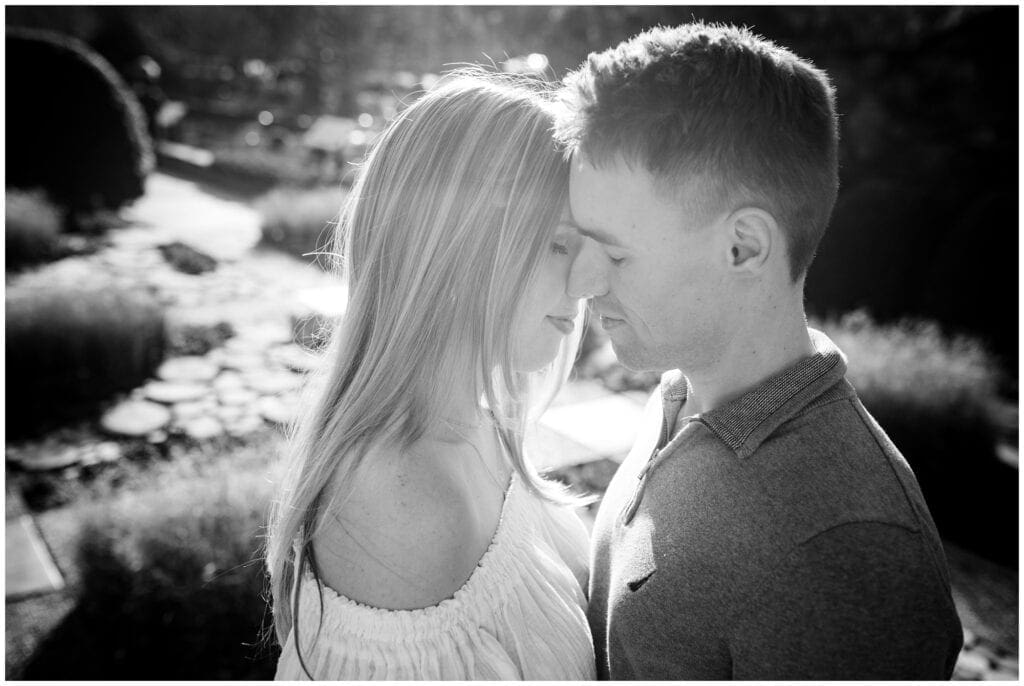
754, 355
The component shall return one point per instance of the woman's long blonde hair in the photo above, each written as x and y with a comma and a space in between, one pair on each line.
445, 226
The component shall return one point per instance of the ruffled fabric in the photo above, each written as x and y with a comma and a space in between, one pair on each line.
520, 615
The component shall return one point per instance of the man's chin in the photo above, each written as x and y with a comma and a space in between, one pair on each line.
632, 357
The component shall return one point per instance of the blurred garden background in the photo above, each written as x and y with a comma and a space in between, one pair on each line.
173, 172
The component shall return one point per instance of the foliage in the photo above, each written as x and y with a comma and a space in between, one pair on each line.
32, 228
912, 367
938, 398
260, 169
76, 129
300, 222
171, 586
69, 349
94, 223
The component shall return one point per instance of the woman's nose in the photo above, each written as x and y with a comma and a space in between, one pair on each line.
587, 276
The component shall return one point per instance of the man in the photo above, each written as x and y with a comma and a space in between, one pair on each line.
763, 526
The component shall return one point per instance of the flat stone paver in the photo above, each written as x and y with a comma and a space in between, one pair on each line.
327, 301
30, 569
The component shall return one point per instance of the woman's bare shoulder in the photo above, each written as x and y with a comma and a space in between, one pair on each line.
405, 537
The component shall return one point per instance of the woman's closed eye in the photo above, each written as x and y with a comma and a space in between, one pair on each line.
565, 244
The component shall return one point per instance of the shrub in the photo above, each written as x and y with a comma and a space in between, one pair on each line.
32, 228
171, 586
912, 364
299, 222
73, 126
94, 222
259, 169
937, 397
69, 349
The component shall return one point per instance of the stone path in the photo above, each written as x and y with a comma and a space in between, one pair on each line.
267, 297
174, 209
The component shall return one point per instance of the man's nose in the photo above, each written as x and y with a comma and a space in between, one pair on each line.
587, 277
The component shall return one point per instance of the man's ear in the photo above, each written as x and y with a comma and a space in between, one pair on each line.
752, 236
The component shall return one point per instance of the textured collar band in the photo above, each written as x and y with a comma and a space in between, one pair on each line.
743, 423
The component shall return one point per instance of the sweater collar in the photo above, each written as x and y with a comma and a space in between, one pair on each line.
745, 422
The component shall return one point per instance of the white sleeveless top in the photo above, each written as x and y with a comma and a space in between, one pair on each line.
520, 615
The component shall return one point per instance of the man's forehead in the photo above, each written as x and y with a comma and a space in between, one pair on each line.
615, 188
616, 175
607, 199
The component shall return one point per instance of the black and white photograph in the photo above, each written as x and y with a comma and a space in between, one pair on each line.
512, 342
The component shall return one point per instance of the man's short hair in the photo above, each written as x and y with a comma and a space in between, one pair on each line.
722, 103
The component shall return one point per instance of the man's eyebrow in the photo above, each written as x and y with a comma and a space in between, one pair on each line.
597, 234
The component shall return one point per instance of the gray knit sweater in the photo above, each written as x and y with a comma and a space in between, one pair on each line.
781, 536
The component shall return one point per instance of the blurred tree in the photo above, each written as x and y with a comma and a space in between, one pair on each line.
73, 128
119, 40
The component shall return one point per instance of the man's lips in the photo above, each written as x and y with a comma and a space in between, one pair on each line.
609, 318
563, 324
604, 308
607, 314
608, 322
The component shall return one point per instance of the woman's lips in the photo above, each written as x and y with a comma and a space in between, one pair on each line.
563, 324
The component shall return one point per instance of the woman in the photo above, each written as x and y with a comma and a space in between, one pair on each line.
411, 539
